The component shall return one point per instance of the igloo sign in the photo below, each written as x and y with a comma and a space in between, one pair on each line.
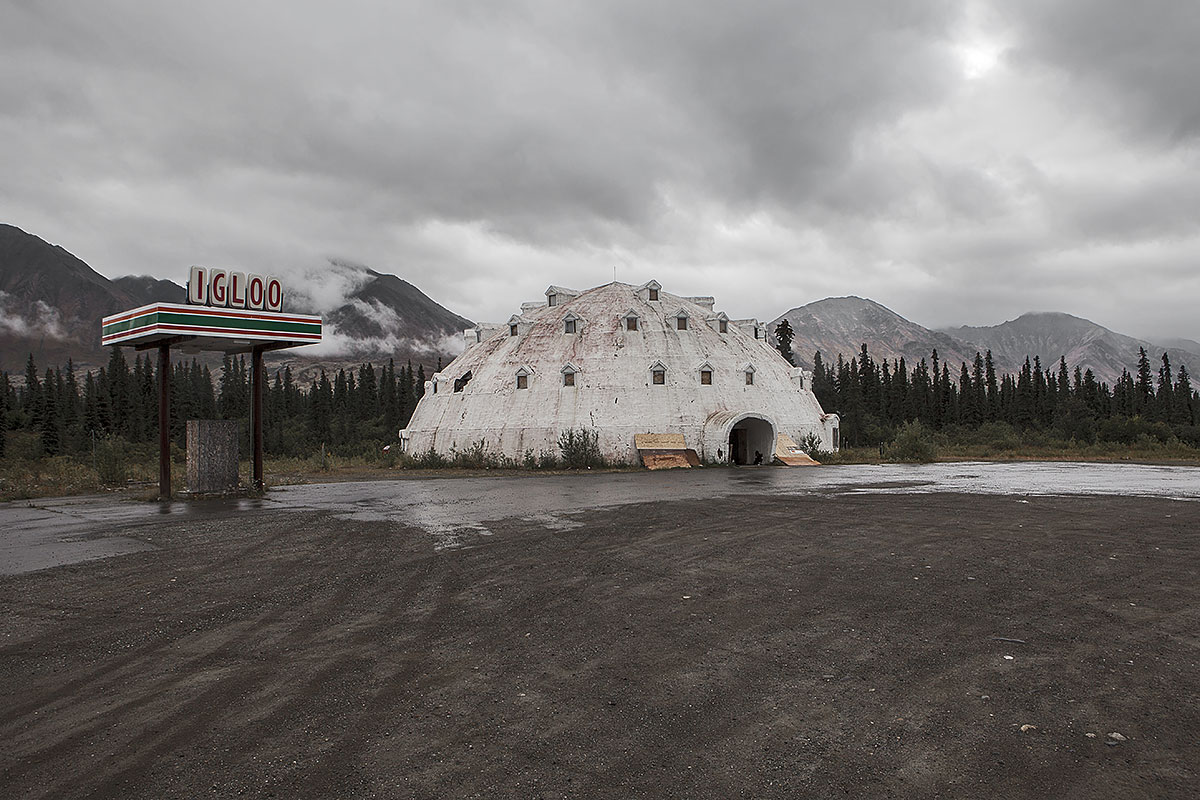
230, 289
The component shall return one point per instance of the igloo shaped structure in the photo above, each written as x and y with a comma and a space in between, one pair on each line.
619, 360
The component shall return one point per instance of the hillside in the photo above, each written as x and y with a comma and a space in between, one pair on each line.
841, 325
51, 304
1052, 335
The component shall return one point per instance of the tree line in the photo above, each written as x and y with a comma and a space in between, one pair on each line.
873, 398
349, 412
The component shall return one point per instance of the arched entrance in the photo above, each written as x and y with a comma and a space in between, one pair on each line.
750, 437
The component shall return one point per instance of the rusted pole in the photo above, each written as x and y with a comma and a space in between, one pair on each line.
256, 424
164, 421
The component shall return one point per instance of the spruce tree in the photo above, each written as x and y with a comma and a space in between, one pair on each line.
31, 398
1185, 408
1164, 404
1144, 389
993, 390
783, 338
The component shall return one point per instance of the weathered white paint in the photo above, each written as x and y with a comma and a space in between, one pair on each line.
613, 392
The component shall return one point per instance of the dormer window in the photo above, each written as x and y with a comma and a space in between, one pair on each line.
755, 331
522, 378
681, 320
478, 336
749, 375
653, 295
570, 323
631, 320
658, 373
555, 292
568, 374
706, 377
512, 330
723, 325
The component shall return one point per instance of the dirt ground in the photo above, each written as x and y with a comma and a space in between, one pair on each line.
756, 646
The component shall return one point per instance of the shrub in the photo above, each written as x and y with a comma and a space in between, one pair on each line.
430, 459
913, 443
998, 435
112, 466
811, 444
580, 449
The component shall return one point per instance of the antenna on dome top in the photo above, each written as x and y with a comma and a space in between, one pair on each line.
614, 273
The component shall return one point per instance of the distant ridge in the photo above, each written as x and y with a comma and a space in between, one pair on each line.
841, 325
1055, 335
51, 304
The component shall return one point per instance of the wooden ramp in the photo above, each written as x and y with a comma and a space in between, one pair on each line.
665, 451
789, 453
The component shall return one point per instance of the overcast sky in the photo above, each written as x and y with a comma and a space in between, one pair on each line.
959, 162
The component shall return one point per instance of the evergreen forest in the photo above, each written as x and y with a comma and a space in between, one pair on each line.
358, 412
353, 412
874, 399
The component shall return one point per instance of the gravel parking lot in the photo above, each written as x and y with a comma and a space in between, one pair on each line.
742, 645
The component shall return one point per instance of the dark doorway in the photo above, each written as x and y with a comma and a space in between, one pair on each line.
751, 436
737, 445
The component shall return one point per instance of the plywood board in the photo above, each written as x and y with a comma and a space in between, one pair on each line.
789, 453
659, 441
672, 460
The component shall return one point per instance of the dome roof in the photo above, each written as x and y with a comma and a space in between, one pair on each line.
613, 360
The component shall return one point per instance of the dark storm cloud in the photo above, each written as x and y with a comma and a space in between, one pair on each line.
908, 151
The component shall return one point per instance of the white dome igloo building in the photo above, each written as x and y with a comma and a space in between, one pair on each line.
619, 360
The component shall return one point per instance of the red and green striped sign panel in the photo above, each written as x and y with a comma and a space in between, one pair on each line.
159, 321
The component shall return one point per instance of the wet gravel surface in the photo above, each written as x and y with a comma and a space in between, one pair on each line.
741, 645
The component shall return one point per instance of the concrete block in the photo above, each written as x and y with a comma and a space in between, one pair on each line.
212, 456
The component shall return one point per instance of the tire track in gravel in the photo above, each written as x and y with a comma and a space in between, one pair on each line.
228, 647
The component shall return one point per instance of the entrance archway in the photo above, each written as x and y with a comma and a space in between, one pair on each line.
749, 437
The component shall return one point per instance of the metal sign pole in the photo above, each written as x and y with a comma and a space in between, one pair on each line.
256, 359
164, 421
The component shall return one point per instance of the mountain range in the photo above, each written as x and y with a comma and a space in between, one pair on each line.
841, 325
51, 303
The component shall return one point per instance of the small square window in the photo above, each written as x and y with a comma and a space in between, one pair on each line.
724, 326
660, 376
569, 326
522, 381
550, 299
681, 323
512, 330
568, 379
749, 378
706, 377
654, 294
631, 323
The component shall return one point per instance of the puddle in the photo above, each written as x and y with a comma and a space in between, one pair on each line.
455, 512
